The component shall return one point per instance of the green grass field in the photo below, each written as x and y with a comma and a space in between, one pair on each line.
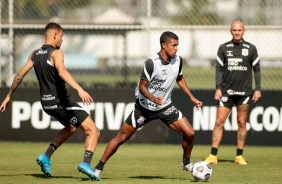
137, 163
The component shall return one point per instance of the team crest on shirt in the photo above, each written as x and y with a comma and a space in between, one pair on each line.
245, 52
224, 98
141, 120
73, 120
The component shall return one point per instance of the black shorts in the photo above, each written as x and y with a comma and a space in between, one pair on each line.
236, 100
67, 113
141, 116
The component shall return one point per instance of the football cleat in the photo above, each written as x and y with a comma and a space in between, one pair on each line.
240, 160
97, 172
211, 159
86, 169
188, 167
45, 164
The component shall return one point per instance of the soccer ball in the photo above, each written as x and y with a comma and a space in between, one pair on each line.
202, 171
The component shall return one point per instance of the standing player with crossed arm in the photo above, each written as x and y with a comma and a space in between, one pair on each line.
236, 60
153, 101
48, 63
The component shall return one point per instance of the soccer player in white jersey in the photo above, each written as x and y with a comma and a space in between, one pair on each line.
153, 101
236, 60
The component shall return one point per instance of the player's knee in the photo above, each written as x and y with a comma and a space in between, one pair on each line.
190, 134
219, 123
71, 128
122, 138
241, 124
97, 132
92, 131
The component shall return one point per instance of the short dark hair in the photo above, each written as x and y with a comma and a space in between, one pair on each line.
53, 25
167, 35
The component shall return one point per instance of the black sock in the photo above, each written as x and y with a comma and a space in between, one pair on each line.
50, 150
214, 151
186, 160
239, 152
88, 156
100, 165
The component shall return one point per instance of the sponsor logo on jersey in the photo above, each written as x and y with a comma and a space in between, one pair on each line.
229, 45
50, 107
144, 101
237, 68
48, 97
229, 53
156, 85
40, 51
233, 64
245, 52
232, 92
164, 71
170, 110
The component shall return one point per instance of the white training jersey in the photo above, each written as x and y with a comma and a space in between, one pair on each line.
161, 76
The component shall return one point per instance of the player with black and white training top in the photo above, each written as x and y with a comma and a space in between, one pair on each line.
236, 62
48, 64
161, 76
153, 101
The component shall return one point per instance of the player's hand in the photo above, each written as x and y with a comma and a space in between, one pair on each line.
5, 104
218, 94
158, 100
197, 103
256, 96
85, 97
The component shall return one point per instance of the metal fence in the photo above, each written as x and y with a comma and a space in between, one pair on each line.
107, 41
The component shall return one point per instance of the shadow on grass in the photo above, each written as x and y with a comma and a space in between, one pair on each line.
223, 160
42, 176
147, 177
157, 177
